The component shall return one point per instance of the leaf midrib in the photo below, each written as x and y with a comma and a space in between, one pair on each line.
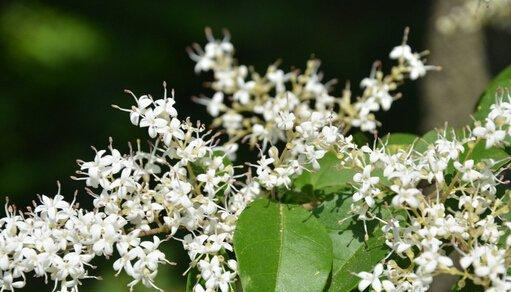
350, 259
345, 263
281, 243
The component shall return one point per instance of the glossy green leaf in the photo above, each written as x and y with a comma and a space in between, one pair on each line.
506, 198
351, 253
424, 142
478, 153
331, 176
428, 139
399, 139
498, 88
281, 247
191, 279
360, 138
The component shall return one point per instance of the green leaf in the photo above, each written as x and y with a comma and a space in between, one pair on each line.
351, 253
281, 248
360, 138
398, 141
498, 88
480, 153
424, 142
220, 153
428, 139
191, 279
331, 176
506, 198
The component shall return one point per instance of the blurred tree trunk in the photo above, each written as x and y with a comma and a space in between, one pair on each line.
450, 95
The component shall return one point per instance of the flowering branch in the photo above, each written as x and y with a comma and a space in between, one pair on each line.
442, 192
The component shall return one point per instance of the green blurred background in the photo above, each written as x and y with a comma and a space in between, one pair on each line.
63, 63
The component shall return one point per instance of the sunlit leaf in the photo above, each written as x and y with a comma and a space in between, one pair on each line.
281, 247
351, 253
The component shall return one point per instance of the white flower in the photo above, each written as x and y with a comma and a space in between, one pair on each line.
492, 135
313, 155
405, 195
231, 121
330, 134
278, 77
173, 131
209, 268
243, 93
220, 280
384, 98
142, 103
166, 105
211, 181
373, 280
451, 149
365, 177
417, 68
153, 122
367, 123
96, 170
52, 208
402, 51
487, 260
285, 120
469, 174
213, 105
430, 260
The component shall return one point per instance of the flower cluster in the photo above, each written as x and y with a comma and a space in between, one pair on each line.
57, 240
446, 206
295, 108
280, 106
444, 209
189, 184
473, 15
185, 182
495, 128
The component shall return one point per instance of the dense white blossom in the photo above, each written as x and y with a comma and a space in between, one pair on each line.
430, 231
183, 182
441, 202
279, 106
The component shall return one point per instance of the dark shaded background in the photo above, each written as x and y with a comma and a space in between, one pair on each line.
63, 63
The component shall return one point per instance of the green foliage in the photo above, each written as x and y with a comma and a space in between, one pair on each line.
478, 153
398, 141
423, 143
168, 279
281, 247
331, 177
498, 88
351, 253
360, 138
191, 279
49, 37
